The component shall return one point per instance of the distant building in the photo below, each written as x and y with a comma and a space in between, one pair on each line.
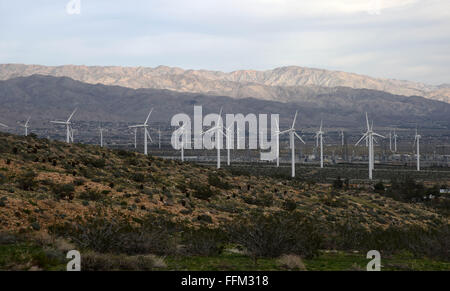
445, 191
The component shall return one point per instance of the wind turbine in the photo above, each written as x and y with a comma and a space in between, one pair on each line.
146, 133
26, 126
184, 137
228, 133
417, 141
219, 130
319, 136
292, 133
277, 134
68, 124
369, 136
342, 137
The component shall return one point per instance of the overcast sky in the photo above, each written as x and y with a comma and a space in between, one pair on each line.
401, 39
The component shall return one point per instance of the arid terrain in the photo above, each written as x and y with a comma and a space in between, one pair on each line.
49, 189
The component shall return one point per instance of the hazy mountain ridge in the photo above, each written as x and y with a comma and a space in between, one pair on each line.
48, 98
281, 84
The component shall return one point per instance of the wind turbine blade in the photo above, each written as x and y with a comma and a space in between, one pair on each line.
379, 135
295, 119
375, 140
211, 129
28, 121
148, 117
321, 125
361, 139
58, 122
149, 137
4, 125
367, 121
71, 115
285, 131
299, 137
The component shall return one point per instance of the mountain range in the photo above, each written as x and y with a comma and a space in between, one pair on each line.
48, 98
286, 84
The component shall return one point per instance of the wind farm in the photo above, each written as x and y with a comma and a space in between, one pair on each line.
278, 162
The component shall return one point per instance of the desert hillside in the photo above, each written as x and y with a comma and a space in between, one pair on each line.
45, 182
127, 211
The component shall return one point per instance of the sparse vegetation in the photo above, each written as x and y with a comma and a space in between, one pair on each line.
126, 211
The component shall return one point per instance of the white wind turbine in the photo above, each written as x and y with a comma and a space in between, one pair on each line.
417, 142
292, 133
68, 124
219, 130
146, 133
277, 135
26, 126
319, 137
183, 132
228, 134
369, 136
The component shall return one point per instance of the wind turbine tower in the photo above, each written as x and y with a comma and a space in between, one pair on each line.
101, 135
395, 141
417, 142
159, 137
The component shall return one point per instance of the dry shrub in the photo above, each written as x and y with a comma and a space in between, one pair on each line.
63, 245
291, 262
109, 262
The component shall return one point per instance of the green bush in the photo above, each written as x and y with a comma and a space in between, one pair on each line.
62, 191
273, 235
289, 205
338, 183
91, 195
202, 192
204, 241
154, 236
214, 180
379, 187
27, 180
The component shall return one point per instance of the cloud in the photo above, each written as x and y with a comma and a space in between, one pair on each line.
407, 39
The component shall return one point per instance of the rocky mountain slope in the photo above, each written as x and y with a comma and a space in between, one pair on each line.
282, 84
46, 98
